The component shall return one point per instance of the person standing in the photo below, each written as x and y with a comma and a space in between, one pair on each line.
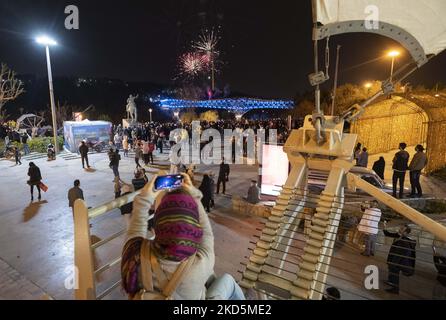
206, 190
439, 292
417, 164
253, 193
357, 152
115, 157
74, 194
401, 258
151, 150
160, 144
145, 152
369, 227
400, 167
125, 146
25, 143
35, 179
83, 150
223, 176
379, 167
17, 156
363, 159
117, 140
138, 155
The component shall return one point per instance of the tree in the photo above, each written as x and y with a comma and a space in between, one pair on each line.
10, 86
188, 116
209, 116
105, 117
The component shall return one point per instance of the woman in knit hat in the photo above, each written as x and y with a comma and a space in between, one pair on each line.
182, 233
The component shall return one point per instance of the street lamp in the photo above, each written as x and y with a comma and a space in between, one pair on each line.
47, 42
368, 86
393, 54
150, 110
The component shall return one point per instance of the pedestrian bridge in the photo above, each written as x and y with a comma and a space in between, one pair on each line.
241, 105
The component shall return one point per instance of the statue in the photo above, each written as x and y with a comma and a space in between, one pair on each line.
132, 111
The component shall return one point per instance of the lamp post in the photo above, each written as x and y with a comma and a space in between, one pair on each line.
393, 54
151, 110
47, 42
368, 86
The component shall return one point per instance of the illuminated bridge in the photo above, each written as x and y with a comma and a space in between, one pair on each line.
241, 105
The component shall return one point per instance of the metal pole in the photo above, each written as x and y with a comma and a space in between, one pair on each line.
151, 116
53, 105
335, 81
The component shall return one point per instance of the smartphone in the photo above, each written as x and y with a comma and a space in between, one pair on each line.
169, 182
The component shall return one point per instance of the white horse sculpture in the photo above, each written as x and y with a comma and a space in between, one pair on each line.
132, 111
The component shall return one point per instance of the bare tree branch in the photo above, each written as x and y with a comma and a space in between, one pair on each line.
10, 86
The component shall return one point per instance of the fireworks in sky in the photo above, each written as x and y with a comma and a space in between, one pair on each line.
191, 64
207, 43
202, 58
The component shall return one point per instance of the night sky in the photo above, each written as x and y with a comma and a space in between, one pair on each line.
266, 45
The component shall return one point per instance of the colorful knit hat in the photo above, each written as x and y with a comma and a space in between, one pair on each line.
178, 232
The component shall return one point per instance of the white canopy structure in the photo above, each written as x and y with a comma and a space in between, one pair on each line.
418, 25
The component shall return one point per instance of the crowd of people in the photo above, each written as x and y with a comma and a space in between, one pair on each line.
400, 166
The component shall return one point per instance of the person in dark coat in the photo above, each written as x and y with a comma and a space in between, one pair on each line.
440, 264
379, 167
400, 166
206, 190
140, 179
223, 176
114, 157
83, 150
401, 258
17, 156
34, 179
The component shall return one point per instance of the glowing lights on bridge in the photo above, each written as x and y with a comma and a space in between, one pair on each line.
243, 104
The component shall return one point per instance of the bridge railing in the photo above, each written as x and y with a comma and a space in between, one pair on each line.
84, 250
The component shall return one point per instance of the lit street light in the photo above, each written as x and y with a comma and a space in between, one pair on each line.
368, 86
150, 110
47, 42
393, 54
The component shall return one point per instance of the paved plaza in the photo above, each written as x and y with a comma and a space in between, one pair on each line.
36, 239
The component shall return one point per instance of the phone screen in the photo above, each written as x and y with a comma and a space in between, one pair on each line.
168, 182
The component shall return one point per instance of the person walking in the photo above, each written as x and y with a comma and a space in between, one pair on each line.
223, 176
369, 227
160, 144
35, 178
17, 156
418, 163
357, 152
206, 190
83, 150
400, 167
363, 159
401, 258
379, 167
74, 194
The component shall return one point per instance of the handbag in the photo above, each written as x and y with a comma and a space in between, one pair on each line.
150, 265
43, 187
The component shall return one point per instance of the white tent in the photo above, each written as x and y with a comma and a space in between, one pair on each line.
419, 25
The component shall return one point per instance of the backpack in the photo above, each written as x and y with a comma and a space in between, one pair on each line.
150, 265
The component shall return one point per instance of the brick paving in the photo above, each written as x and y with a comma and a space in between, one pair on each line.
14, 286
